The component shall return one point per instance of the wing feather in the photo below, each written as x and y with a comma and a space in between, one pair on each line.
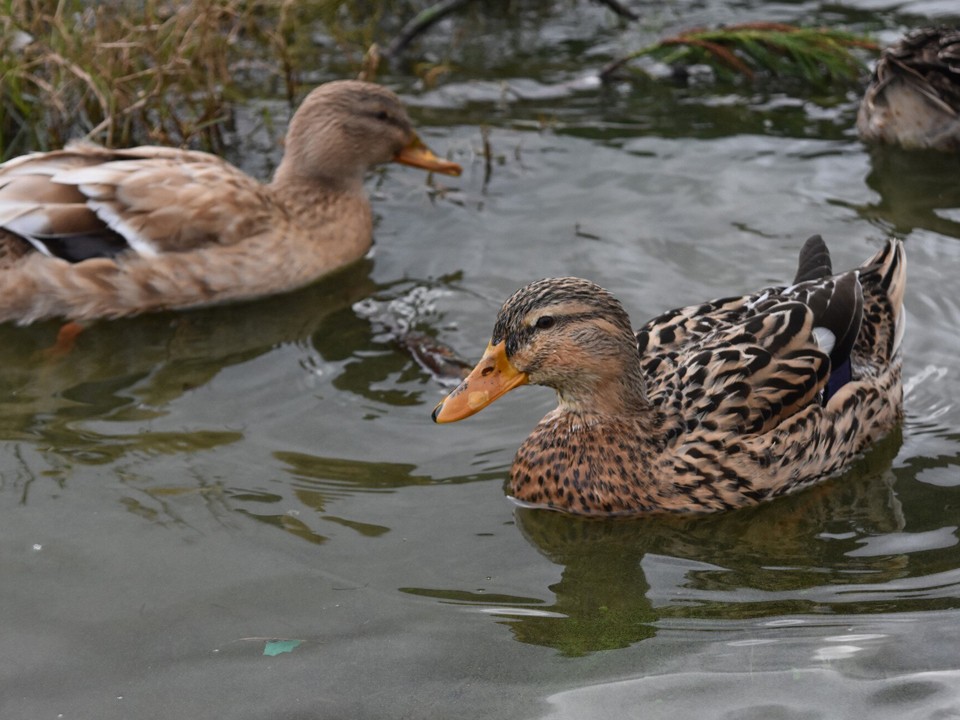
747, 364
97, 202
747, 378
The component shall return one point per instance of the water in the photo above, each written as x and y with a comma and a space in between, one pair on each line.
183, 489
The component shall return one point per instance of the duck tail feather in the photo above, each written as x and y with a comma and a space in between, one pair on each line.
814, 260
884, 280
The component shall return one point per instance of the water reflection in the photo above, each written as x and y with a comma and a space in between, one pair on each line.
845, 546
806, 694
132, 369
118, 400
377, 353
316, 482
624, 576
918, 190
98, 403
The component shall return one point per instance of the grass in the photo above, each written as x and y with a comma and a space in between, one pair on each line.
127, 72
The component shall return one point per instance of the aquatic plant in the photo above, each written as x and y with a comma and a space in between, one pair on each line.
816, 56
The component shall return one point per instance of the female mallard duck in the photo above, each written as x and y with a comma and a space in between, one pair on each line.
709, 407
88, 232
913, 99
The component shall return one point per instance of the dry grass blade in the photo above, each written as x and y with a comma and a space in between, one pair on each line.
130, 71
723, 54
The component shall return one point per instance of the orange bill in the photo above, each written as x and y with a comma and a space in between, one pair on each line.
419, 155
493, 376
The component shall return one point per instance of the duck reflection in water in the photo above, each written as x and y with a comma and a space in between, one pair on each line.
621, 578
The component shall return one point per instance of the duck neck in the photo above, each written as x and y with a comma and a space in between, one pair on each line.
591, 457
291, 183
610, 397
337, 219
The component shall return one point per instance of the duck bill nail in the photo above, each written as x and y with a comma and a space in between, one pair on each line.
416, 154
493, 376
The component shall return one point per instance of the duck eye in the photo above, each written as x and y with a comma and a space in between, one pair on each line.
545, 322
383, 115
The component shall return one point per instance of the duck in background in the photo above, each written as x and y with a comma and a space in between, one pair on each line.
88, 232
913, 99
710, 407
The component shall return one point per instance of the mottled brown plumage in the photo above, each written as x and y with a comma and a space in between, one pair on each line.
709, 407
90, 232
913, 98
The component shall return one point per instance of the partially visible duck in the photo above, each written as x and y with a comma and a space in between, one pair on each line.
87, 232
913, 99
710, 407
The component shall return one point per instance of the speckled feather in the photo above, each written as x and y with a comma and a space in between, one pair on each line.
713, 406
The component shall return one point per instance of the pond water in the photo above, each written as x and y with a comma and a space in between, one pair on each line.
185, 494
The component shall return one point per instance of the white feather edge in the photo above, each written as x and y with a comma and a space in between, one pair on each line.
116, 222
25, 220
756, 301
32, 164
90, 178
97, 183
825, 339
899, 329
12, 210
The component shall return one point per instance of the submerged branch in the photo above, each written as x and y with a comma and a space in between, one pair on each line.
427, 17
620, 9
420, 23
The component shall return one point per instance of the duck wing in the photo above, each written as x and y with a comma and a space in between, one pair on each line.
744, 365
742, 378
86, 201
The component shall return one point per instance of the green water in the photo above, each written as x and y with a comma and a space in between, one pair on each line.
184, 490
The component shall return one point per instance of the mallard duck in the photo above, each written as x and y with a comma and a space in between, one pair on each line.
913, 98
88, 232
709, 407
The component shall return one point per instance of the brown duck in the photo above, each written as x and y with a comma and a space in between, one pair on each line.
87, 232
709, 407
913, 99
